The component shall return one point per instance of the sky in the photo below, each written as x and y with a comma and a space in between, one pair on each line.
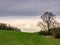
26, 13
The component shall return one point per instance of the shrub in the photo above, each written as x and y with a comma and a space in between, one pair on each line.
43, 33
57, 35
55, 32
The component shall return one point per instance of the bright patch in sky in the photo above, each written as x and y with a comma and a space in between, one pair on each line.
27, 26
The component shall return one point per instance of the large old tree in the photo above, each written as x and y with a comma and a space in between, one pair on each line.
48, 19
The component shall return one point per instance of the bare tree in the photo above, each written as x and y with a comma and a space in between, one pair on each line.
48, 19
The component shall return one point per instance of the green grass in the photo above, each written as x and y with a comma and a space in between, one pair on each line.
20, 38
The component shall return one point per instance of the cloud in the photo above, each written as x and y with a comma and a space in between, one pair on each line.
28, 7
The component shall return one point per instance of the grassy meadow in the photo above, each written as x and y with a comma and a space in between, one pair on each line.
22, 38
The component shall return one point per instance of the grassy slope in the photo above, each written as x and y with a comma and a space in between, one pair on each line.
18, 38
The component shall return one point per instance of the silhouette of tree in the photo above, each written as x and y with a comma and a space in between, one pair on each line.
48, 19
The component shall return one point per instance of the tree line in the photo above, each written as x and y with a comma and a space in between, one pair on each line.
4, 26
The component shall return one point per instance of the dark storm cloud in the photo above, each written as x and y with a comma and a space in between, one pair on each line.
28, 7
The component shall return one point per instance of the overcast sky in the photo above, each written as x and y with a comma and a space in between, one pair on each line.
28, 7
26, 13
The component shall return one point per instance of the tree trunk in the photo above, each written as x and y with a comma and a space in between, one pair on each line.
48, 28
